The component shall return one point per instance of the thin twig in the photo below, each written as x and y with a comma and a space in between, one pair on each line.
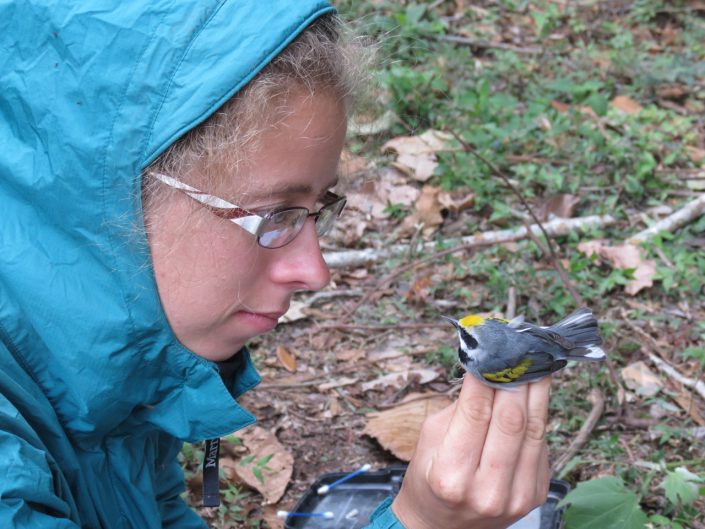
598, 406
554, 257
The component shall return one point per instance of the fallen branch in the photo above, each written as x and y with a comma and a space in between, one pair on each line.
683, 216
598, 406
555, 228
665, 367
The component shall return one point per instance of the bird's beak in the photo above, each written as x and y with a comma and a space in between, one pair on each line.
453, 321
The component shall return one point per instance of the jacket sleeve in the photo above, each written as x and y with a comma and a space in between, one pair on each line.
175, 512
27, 485
384, 518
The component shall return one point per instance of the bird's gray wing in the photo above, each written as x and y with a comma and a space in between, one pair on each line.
531, 366
547, 335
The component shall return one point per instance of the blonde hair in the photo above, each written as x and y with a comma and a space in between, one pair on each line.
325, 59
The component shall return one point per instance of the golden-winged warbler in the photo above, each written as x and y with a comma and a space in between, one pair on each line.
505, 353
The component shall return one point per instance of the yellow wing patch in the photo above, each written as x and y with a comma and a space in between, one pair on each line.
471, 321
510, 374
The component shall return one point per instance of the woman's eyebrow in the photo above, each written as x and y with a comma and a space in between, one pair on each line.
299, 188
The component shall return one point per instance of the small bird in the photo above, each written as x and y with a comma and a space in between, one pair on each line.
504, 353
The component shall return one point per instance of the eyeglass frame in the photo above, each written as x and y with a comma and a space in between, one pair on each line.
249, 221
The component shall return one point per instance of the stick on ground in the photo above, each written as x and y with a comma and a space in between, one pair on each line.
598, 406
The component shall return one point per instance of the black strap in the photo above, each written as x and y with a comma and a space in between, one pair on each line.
211, 487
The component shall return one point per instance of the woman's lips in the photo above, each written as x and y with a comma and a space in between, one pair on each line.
261, 321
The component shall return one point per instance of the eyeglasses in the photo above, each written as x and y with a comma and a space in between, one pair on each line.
275, 228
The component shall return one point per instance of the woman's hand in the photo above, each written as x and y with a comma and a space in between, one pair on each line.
481, 463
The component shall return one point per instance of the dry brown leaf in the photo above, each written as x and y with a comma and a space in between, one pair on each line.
465, 201
562, 205
391, 348
674, 91
333, 406
687, 404
602, 62
624, 256
695, 154
560, 107
336, 383
427, 212
374, 196
277, 471
269, 515
398, 429
416, 155
350, 164
296, 311
626, 104
349, 355
588, 111
286, 359
404, 195
420, 291
640, 379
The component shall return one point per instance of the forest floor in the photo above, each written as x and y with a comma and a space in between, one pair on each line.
489, 116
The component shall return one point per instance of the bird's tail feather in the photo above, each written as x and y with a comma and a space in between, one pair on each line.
581, 328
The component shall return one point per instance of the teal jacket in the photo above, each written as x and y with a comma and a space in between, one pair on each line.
96, 394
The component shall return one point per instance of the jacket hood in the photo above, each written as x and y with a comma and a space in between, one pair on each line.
91, 93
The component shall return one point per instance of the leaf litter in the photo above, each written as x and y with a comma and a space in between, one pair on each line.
340, 390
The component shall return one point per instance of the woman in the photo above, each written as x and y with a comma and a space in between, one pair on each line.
166, 170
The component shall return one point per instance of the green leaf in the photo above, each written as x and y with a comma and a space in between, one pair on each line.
681, 486
247, 460
603, 503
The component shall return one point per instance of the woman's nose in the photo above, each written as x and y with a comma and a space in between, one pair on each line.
300, 263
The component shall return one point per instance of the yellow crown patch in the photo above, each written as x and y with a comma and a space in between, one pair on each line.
471, 321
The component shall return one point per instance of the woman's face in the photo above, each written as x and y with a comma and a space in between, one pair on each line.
218, 287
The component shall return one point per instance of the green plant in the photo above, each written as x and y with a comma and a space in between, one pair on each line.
257, 466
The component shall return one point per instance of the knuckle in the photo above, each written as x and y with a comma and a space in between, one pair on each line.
511, 419
478, 410
522, 505
490, 506
448, 488
535, 428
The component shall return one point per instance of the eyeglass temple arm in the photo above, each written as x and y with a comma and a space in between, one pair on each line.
222, 208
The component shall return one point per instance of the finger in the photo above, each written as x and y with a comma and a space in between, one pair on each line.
532, 466
530, 493
543, 477
503, 446
464, 437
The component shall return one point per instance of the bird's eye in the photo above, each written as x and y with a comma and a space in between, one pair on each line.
468, 338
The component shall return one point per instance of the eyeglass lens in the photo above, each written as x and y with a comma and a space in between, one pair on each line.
281, 227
